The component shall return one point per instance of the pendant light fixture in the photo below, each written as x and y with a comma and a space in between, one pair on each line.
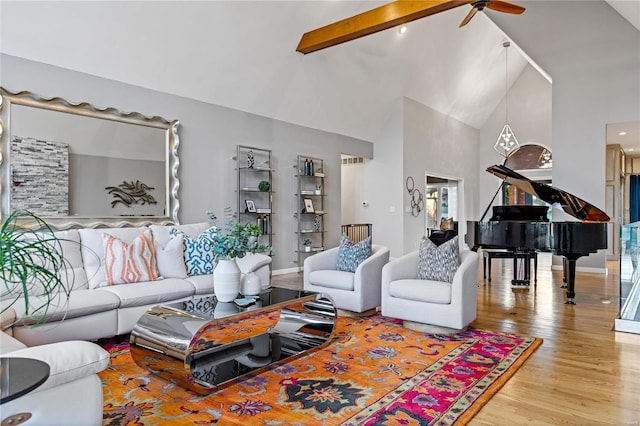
507, 142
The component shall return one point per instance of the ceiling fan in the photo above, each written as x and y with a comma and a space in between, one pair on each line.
498, 5
391, 15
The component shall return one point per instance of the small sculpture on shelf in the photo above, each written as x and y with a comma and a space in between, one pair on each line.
263, 224
308, 168
316, 224
251, 160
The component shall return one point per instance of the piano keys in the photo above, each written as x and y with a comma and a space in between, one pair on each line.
526, 228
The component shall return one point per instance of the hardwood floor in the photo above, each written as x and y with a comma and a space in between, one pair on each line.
583, 374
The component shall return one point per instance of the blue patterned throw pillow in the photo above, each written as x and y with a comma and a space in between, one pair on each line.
350, 254
198, 252
438, 263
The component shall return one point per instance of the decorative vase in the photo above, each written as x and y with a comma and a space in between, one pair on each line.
250, 284
251, 160
307, 248
226, 280
224, 309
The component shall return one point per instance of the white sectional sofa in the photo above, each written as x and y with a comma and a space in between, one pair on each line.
95, 310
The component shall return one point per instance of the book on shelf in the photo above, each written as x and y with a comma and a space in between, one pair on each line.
263, 210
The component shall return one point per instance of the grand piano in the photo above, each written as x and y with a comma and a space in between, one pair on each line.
526, 228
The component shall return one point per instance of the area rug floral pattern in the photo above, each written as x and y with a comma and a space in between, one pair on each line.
375, 372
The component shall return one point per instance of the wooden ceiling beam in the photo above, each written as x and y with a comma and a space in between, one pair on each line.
381, 18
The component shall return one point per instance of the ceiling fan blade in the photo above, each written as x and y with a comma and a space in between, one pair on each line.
378, 19
467, 18
506, 7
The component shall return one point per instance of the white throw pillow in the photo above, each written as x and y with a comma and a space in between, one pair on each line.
170, 258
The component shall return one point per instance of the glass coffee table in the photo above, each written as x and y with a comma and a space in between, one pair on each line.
202, 344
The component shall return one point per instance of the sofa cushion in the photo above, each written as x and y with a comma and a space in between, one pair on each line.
93, 250
438, 263
203, 284
198, 251
130, 263
74, 276
71, 275
161, 233
171, 258
80, 303
9, 344
150, 292
351, 255
68, 361
421, 291
332, 279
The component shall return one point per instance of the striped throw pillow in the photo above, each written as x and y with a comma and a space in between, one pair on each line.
130, 263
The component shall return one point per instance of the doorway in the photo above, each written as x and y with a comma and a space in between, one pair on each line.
443, 203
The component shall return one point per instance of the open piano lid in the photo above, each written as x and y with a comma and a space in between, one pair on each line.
571, 204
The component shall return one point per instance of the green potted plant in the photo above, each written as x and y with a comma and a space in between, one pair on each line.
307, 244
32, 266
264, 186
235, 241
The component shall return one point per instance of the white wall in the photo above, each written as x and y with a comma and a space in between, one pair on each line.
209, 135
416, 140
383, 188
593, 56
353, 186
530, 119
440, 146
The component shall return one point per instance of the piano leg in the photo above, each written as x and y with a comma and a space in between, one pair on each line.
570, 271
521, 269
564, 273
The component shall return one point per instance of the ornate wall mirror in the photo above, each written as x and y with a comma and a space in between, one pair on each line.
79, 165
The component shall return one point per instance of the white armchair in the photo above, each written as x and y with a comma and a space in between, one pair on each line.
357, 292
450, 305
72, 395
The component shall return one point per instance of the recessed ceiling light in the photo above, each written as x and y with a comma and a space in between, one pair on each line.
402, 29
631, 149
622, 133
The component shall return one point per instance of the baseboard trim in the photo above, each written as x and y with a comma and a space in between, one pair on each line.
627, 326
586, 269
284, 271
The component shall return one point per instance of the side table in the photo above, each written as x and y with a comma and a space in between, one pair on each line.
19, 376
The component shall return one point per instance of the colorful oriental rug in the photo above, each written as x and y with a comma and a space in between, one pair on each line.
375, 372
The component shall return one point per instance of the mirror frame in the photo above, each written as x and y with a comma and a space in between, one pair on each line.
172, 142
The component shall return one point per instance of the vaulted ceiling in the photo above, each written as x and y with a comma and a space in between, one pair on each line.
241, 54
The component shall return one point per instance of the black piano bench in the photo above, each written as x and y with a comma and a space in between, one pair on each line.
489, 254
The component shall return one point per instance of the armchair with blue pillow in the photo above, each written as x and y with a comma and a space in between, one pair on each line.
350, 274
